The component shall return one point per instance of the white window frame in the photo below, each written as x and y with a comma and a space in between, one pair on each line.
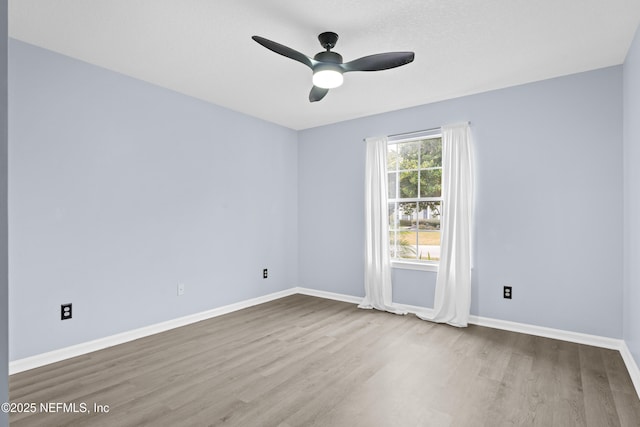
414, 264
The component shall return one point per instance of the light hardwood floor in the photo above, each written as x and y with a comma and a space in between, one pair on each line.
305, 361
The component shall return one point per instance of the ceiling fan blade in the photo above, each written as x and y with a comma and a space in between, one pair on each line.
285, 51
379, 61
317, 93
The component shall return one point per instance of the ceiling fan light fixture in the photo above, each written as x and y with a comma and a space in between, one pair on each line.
327, 78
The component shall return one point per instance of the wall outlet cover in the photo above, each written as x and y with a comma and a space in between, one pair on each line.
65, 311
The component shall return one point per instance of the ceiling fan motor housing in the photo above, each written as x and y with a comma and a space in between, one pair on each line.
327, 56
328, 39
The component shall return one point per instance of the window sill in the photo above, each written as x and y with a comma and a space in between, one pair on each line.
408, 265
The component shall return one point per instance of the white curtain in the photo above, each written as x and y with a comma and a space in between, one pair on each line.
377, 271
453, 284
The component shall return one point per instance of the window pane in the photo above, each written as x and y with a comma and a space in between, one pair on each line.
402, 239
405, 245
431, 183
392, 157
428, 245
429, 216
431, 153
408, 184
394, 217
409, 155
393, 177
407, 215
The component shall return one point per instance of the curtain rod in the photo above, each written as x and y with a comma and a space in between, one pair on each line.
417, 132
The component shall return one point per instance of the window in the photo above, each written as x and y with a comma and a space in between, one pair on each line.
415, 198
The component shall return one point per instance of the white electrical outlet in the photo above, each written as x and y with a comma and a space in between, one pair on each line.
180, 289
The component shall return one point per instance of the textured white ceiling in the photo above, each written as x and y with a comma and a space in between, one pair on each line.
204, 48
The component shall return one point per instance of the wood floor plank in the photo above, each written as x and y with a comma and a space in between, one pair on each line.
570, 405
305, 361
600, 407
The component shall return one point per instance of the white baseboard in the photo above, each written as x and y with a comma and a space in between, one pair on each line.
101, 343
632, 366
328, 295
541, 331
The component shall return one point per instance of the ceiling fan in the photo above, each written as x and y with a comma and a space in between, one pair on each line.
328, 67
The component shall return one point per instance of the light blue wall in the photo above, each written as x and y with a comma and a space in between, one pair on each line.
632, 198
119, 190
548, 202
